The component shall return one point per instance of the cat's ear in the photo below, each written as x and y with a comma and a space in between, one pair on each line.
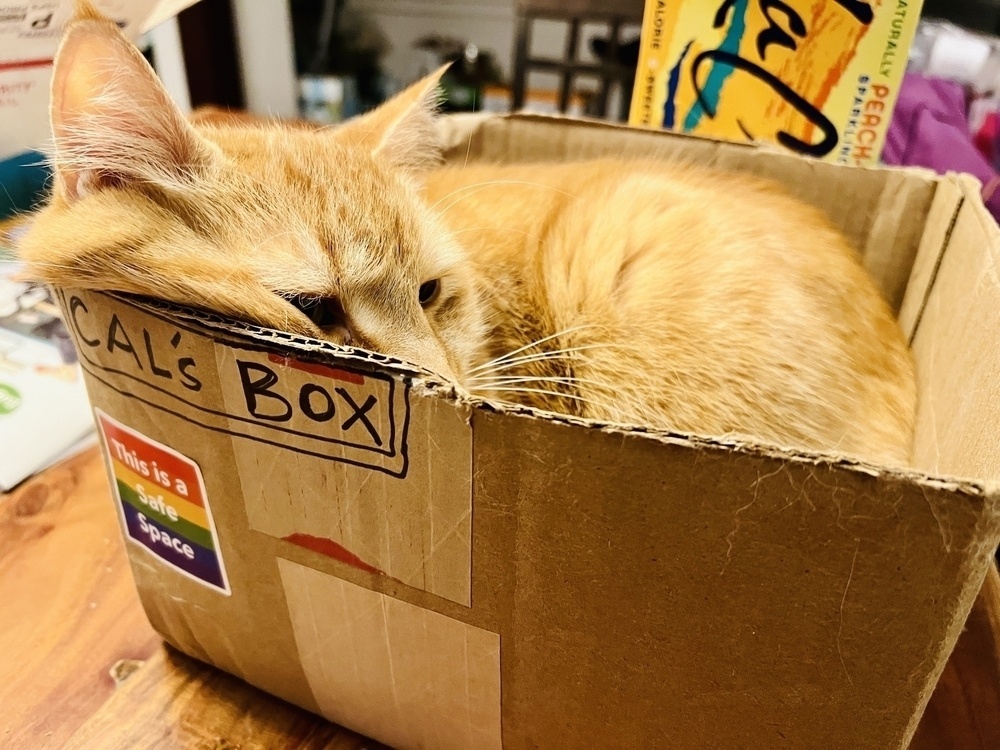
404, 129
112, 121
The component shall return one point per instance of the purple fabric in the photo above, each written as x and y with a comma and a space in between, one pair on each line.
930, 129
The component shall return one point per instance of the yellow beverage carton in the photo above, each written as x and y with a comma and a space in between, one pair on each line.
818, 77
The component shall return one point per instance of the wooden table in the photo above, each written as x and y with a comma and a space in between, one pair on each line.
81, 667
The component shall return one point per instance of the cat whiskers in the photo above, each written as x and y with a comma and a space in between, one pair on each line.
532, 345
555, 354
468, 150
545, 392
522, 385
489, 378
302, 234
44, 264
501, 380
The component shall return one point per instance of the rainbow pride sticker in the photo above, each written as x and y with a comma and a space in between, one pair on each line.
163, 504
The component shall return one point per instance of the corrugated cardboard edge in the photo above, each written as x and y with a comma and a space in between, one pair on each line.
272, 337
455, 131
954, 325
427, 383
965, 195
922, 278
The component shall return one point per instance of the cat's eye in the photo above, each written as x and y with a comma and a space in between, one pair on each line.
325, 312
429, 292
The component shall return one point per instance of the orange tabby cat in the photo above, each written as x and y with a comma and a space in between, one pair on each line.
649, 294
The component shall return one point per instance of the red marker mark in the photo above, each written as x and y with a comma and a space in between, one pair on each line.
24, 64
330, 548
315, 369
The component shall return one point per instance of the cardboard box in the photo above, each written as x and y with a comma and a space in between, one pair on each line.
346, 533
818, 78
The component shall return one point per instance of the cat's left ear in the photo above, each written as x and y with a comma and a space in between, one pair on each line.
403, 131
112, 120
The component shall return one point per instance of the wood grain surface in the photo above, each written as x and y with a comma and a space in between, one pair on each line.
174, 702
82, 668
68, 609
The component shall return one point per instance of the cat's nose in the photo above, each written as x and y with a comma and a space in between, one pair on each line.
428, 354
421, 350
439, 365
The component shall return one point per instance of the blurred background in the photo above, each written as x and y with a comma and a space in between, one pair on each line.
327, 60
330, 59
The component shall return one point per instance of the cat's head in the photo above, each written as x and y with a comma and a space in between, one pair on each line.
316, 232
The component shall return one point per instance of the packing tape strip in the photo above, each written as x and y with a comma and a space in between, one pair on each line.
400, 674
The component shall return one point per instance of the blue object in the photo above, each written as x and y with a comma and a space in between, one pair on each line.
718, 74
23, 182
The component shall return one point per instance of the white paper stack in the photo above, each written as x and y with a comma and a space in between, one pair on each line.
29, 35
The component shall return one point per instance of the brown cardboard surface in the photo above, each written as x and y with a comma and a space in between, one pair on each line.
495, 576
397, 671
725, 584
415, 529
956, 347
413, 522
939, 223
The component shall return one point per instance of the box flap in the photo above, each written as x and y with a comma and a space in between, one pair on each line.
956, 325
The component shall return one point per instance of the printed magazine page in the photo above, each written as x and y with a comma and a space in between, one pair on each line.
44, 412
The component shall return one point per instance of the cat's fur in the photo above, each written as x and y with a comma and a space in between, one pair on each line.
662, 295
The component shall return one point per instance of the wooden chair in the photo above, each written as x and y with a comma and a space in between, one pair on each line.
615, 13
